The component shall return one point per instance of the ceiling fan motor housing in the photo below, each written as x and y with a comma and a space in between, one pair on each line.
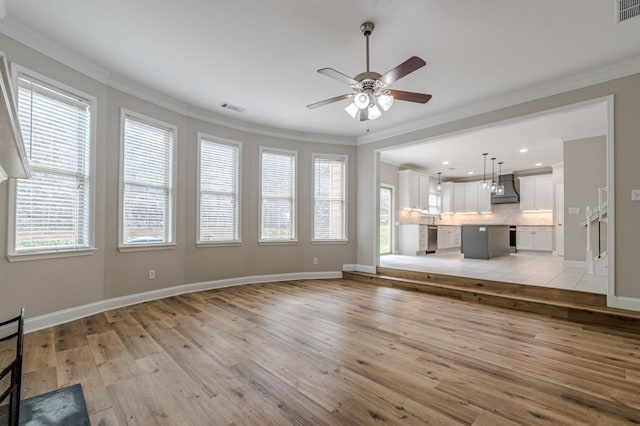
367, 28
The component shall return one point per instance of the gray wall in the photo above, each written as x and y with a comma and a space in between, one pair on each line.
44, 286
389, 175
585, 170
627, 174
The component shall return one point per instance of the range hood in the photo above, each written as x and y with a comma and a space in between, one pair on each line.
510, 195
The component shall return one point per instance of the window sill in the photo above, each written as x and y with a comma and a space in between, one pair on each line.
329, 241
277, 242
55, 254
148, 247
205, 244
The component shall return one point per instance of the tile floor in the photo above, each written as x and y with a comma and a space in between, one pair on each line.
534, 268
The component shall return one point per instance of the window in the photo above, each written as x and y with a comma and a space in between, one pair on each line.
435, 203
53, 210
219, 184
148, 175
277, 195
329, 190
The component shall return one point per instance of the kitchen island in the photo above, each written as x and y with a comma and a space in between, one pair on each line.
485, 241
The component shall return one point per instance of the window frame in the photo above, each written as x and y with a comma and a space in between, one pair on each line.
223, 141
126, 247
294, 200
345, 159
14, 256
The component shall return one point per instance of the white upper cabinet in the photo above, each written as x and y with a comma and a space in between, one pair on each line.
471, 197
544, 192
414, 190
447, 197
536, 192
484, 199
458, 197
424, 192
467, 197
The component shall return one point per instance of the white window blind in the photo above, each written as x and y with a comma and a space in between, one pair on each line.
219, 191
53, 208
148, 176
329, 198
277, 204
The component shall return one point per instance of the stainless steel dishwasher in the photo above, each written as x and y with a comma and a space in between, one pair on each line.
432, 238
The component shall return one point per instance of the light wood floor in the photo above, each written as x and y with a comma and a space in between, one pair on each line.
336, 352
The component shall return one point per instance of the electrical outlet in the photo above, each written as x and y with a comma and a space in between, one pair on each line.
635, 195
152, 274
574, 210
315, 260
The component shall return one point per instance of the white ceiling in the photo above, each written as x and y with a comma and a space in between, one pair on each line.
263, 55
542, 136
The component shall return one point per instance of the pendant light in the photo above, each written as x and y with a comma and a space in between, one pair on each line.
484, 171
500, 187
439, 187
493, 185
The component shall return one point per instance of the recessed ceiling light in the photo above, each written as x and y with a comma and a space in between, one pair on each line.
523, 150
444, 163
469, 173
538, 164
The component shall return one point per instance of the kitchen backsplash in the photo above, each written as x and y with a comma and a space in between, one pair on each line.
507, 214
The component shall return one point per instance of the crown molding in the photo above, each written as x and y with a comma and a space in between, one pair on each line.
565, 84
74, 60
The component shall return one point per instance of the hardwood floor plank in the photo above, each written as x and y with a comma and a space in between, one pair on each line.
337, 352
39, 381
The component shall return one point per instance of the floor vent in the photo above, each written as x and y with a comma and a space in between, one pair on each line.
628, 9
235, 108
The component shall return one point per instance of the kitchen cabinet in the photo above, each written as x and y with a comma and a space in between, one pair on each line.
423, 191
447, 197
413, 191
413, 239
448, 237
468, 197
534, 238
458, 197
536, 192
471, 197
484, 199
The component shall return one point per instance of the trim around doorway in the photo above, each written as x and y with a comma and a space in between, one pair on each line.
612, 299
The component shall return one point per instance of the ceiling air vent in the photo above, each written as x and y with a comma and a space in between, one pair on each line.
235, 108
628, 9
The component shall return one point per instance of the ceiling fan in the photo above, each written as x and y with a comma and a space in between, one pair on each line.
369, 89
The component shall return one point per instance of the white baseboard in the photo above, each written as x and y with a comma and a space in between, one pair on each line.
629, 303
575, 263
77, 312
359, 268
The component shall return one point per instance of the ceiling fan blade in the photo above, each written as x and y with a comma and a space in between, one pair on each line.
405, 68
329, 101
410, 96
337, 75
364, 114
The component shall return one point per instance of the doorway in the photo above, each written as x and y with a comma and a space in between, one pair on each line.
386, 219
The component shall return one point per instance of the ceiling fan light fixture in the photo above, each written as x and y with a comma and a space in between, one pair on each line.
385, 102
361, 100
352, 110
374, 112
369, 88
